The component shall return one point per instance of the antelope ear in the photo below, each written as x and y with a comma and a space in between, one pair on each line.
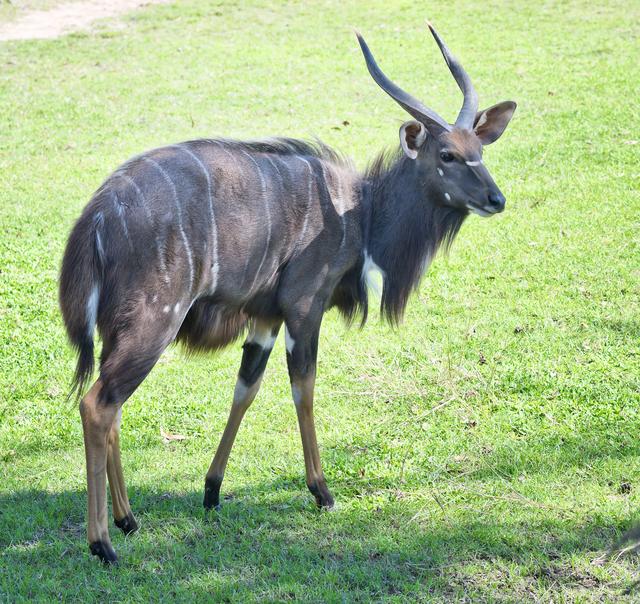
412, 137
490, 123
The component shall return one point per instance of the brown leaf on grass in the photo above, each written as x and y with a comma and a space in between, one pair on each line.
167, 437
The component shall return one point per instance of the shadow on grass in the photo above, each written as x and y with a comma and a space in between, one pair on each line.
270, 543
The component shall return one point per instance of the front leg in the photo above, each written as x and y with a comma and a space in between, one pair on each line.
302, 351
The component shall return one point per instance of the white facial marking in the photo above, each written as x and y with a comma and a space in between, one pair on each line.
261, 336
289, 342
447, 196
440, 172
372, 274
478, 211
297, 394
473, 163
166, 309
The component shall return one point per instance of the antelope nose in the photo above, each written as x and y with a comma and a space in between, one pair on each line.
497, 201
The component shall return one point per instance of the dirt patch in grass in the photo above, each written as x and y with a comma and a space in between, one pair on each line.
66, 18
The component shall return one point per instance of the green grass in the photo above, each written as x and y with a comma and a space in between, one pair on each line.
487, 451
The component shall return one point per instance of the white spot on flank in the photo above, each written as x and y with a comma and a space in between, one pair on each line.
440, 172
261, 336
176, 308
473, 163
166, 309
289, 342
92, 309
370, 270
447, 196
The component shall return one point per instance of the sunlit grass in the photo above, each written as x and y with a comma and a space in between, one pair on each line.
486, 450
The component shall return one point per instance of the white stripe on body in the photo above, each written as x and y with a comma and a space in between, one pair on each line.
215, 266
338, 203
162, 263
305, 223
267, 214
179, 216
123, 222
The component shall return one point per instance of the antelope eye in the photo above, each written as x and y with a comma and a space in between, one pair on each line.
446, 157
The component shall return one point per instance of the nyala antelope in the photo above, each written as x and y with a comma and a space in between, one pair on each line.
205, 240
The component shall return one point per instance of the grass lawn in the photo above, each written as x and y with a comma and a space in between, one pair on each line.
487, 451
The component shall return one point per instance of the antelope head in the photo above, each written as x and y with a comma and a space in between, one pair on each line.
449, 156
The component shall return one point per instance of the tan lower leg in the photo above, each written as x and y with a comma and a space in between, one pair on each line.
242, 398
303, 398
119, 498
97, 420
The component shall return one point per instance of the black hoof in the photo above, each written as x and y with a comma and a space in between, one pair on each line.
127, 524
324, 499
212, 493
104, 551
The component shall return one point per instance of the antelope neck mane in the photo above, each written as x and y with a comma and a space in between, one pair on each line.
407, 227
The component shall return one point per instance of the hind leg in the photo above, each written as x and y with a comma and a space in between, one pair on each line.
256, 351
124, 367
97, 420
122, 514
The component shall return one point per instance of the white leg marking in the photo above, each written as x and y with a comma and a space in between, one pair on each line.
117, 422
214, 228
240, 392
263, 186
179, 216
261, 336
161, 262
297, 395
289, 342
370, 270
447, 196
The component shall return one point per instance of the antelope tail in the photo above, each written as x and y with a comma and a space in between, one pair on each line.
80, 285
